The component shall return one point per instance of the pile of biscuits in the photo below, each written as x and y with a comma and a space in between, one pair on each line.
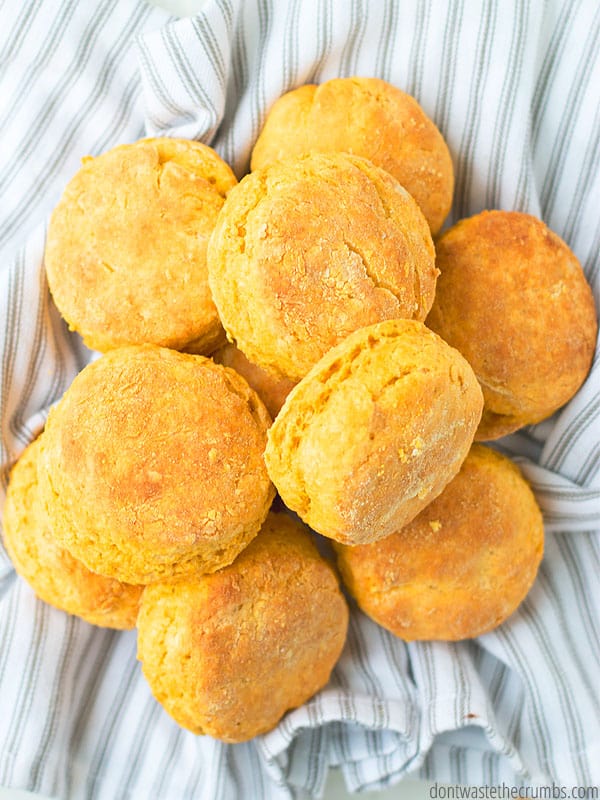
297, 334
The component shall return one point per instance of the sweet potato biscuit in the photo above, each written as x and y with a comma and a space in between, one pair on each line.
271, 390
512, 297
154, 464
126, 247
228, 654
308, 250
374, 431
54, 575
371, 118
462, 566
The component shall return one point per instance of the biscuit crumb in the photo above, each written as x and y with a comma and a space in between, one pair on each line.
417, 445
435, 525
402, 455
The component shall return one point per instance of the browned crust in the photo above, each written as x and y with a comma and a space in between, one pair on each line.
374, 432
513, 298
154, 464
462, 566
309, 250
367, 117
55, 576
228, 654
271, 390
126, 246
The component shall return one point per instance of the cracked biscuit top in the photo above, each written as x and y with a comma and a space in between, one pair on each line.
306, 251
374, 432
126, 246
367, 117
153, 464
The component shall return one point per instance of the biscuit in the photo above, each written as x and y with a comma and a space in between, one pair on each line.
367, 117
513, 298
228, 654
126, 246
153, 464
374, 431
54, 575
271, 390
462, 566
308, 250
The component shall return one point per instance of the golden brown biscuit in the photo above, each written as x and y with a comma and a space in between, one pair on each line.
462, 566
513, 298
126, 247
228, 654
374, 431
153, 464
367, 117
271, 390
309, 250
54, 575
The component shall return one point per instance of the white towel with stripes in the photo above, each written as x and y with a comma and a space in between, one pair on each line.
514, 86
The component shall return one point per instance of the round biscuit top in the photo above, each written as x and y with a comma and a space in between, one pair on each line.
154, 464
513, 298
368, 117
374, 432
228, 654
463, 565
308, 250
126, 247
54, 575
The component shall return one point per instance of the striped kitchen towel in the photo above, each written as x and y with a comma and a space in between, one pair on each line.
513, 85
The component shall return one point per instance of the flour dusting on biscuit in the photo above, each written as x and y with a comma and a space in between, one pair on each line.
375, 431
309, 250
153, 464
